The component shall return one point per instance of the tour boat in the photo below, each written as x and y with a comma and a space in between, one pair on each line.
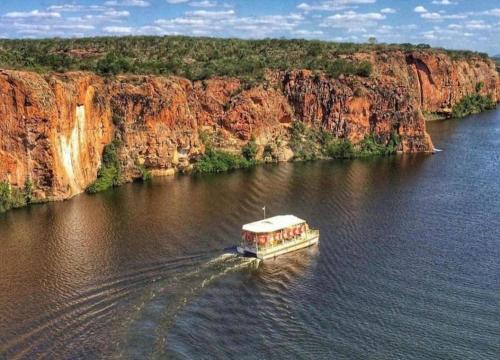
276, 236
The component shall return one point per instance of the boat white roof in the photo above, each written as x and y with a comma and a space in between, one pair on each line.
273, 224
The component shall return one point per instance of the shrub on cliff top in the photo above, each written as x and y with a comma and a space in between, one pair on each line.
113, 64
196, 58
193, 58
109, 174
339, 67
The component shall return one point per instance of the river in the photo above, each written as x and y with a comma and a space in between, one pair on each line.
408, 264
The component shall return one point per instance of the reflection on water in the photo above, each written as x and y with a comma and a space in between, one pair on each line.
407, 265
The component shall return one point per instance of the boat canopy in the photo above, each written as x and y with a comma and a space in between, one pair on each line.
273, 224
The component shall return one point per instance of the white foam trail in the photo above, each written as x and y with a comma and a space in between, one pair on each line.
180, 289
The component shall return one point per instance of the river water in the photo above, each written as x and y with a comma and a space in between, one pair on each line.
408, 265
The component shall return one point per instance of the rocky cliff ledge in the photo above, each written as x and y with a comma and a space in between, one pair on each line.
53, 128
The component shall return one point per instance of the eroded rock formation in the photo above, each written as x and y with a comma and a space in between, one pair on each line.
53, 128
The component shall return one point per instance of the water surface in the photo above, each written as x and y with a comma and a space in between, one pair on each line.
408, 263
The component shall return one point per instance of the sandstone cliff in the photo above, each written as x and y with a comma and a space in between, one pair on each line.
53, 128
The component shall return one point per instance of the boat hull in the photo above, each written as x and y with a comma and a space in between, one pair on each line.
282, 249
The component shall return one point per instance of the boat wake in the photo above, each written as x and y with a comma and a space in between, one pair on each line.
139, 304
145, 331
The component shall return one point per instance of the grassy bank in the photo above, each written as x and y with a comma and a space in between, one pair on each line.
312, 143
307, 144
472, 104
109, 174
216, 160
12, 198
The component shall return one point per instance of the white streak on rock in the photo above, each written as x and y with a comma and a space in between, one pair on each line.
69, 148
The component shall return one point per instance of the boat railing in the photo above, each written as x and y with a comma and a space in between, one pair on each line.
309, 234
312, 233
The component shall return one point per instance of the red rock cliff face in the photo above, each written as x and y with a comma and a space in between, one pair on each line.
53, 129
353, 107
441, 83
155, 122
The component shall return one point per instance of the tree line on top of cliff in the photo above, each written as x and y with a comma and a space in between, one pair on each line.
195, 58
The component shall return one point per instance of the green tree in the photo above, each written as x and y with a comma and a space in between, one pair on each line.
5, 196
249, 151
109, 174
28, 191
